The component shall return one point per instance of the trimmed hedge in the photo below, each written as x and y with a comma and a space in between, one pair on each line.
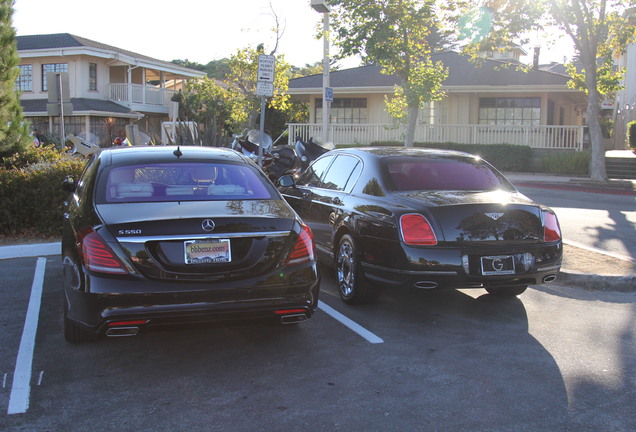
505, 157
567, 162
32, 197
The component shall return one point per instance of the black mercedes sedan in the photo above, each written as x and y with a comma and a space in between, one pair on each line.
425, 219
165, 235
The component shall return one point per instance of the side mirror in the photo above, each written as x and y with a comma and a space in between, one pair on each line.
68, 184
286, 181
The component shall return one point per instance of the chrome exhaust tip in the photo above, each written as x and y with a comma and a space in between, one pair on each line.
426, 284
549, 278
293, 318
122, 331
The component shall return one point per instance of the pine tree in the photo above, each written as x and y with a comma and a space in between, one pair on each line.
13, 129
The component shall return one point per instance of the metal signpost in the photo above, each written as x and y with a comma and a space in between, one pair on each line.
59, 103
264, 88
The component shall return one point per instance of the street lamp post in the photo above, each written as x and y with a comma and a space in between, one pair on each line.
322, 7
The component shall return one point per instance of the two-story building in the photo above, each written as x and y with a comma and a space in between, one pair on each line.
109, 87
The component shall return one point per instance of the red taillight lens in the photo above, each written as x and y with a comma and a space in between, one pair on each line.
551, 230
303, 250
416, 230
97, 255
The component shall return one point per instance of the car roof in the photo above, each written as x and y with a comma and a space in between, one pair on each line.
381, 152
171, 153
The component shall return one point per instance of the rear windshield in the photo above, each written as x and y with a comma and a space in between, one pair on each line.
184, 182
443, 174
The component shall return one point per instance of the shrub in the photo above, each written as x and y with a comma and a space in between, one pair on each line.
631, 134
567, 162
31, 155
32, 197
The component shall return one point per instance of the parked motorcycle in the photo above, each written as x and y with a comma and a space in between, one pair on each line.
309, 151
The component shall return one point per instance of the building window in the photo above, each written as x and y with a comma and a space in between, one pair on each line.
92, 76
510, 111
344, 110
24, 83
52, 67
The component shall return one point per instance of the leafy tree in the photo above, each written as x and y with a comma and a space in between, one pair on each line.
241, 85
189, 64
400, 36
207, 103
218, 69
598, 29
307, 70
14, 131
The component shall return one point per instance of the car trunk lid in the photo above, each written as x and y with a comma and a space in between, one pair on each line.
469, 216
202, 239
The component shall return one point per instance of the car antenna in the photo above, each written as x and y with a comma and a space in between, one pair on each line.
178, 153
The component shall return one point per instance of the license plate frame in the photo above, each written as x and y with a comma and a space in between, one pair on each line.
208, 251
495, 265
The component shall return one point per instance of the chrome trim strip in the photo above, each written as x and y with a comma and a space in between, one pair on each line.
548, 268
411, 272
144, 239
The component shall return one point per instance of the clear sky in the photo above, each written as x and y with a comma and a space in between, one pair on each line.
196, 30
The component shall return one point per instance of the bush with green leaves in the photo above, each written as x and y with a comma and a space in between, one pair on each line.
567, 162
31, 192
631, 134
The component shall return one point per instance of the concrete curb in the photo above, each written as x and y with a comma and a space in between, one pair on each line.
587, 281
594, 282
30, 250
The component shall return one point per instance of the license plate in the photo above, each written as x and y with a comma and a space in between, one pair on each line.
207, 251
497, 265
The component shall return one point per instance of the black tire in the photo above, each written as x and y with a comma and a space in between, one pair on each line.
507, 291
352, 286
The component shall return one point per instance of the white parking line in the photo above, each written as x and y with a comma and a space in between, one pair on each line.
21, 388
355, 327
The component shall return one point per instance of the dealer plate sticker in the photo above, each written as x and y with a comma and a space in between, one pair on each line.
207, 251
497, 265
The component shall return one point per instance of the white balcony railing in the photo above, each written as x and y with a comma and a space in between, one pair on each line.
546, 137
140, 94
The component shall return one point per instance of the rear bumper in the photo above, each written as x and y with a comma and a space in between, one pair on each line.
111, 300
446, 269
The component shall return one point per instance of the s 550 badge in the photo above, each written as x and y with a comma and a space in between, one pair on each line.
129, 232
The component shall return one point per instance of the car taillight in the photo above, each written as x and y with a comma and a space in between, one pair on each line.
97, 255
303, 250
551, 230
417, 231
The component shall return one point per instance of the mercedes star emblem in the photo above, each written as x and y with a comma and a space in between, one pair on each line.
207, 225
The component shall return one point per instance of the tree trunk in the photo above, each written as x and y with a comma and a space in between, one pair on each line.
409, 136
597, 167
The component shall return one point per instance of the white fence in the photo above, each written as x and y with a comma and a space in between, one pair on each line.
545, 137
140, 94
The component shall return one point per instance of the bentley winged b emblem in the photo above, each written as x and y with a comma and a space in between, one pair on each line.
494, 216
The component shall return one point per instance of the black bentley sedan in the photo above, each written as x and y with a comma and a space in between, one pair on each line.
425, 219
166, 235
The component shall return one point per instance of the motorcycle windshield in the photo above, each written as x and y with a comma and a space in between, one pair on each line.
254, 136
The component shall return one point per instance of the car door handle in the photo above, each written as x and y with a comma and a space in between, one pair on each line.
306, 194
335, 200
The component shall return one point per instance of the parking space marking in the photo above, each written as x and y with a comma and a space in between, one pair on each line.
352, 325
21, 387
